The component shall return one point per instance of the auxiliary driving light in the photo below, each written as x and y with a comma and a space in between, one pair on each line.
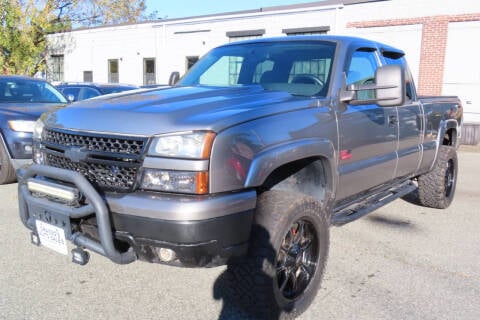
62, 192
166, 255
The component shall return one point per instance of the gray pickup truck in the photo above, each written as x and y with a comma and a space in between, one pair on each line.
247, 161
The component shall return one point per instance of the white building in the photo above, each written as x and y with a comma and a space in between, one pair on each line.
440, 38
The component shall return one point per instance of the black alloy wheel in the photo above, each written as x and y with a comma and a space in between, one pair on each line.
449, 178
297, 259
436, 188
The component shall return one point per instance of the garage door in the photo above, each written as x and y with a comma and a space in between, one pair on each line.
462, 67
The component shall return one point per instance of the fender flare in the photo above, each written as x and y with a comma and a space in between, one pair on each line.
445, 125
265, 162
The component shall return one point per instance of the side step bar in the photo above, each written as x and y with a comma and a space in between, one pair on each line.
349, 213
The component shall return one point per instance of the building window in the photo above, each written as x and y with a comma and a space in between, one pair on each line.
113, 74
306, 31
190, 61
56, 68
149, 71
87, 76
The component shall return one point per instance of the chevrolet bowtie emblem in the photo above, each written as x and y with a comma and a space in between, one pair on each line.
76, 154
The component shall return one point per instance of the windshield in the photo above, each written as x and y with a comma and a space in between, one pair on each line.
298, 67
28, 91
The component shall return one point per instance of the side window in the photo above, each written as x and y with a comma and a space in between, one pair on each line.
362, 67
88, 93
361, 70
71, 91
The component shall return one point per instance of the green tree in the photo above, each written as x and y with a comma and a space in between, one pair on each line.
24, 25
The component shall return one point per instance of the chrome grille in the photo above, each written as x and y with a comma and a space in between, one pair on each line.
111, 164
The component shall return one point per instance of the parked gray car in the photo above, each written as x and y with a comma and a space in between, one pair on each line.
247, 161
76, 91
22, 101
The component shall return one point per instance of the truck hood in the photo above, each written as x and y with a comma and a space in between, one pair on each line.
174, 109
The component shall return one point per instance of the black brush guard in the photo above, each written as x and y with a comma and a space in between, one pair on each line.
95, 205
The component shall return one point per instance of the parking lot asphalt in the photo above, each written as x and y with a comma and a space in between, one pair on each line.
403, 261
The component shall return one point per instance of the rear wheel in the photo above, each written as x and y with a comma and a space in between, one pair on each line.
288, 253
7, 172
437, 187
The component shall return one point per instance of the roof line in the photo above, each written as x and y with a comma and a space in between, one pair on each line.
324, 3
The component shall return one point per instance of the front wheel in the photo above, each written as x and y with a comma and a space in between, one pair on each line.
288, 253
437, 187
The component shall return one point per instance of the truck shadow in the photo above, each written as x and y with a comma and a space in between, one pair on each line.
232, 308
391, 222
238, 285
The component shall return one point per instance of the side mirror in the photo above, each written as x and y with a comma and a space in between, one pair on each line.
390, 81
174, 77
389, 88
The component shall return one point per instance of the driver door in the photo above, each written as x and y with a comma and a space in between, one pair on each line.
367, 133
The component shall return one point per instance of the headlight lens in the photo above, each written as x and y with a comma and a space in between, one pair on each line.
38, 129
175, 181
38, 156
21, 125
190, 145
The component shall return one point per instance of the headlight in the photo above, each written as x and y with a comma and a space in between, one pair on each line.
21, 125
38, 156
175, 181
38, 129
190, 145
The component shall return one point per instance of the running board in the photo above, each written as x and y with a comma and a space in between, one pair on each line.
357, 210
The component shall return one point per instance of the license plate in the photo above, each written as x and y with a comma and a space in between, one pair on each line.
52, 237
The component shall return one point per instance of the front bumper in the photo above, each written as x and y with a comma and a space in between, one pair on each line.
200, 230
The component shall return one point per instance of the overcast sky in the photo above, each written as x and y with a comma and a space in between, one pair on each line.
187, 8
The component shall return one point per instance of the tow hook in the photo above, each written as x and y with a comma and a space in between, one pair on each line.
80, 256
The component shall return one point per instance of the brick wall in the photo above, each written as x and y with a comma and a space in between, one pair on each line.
434, 44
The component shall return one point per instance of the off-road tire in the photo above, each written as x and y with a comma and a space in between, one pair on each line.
7, 172
256, 281
437, 187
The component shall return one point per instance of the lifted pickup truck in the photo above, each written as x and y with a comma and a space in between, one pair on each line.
247, 161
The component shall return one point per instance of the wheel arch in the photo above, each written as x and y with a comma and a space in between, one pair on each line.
447, 136
449, 133
304, 166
